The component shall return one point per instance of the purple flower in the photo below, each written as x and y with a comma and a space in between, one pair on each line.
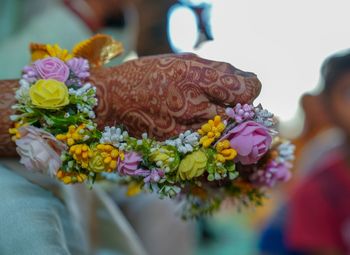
153, 175
274, 172
251, 140
52, 68
80, 67
241, 113
130, 164
30, 74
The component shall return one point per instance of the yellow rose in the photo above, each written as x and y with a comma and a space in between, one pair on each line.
96, 162
49, 94
193, 165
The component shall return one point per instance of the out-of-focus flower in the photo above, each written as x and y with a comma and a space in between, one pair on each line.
15, 130
211, 131
134, 188
58, 52
22, 93
52, 68
80, 67
241, 113
154, 175
285, 152
39, 150
30, 74
49, 94
193, 165
273, 173
224, 151
251, 140
71, 177
264, 117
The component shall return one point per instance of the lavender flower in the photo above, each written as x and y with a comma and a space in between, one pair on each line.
30, 74
80, 67
130, 166
154, 175
241, 113
274, 172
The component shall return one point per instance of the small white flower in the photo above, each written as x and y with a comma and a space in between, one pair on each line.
186, 142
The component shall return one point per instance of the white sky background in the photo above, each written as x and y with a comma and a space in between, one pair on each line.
283, 42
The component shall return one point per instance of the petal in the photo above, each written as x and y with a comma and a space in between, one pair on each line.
242, 144
258, 139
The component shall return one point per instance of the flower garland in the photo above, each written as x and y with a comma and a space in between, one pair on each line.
55, 134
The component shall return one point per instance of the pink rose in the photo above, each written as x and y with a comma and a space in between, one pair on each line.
251, 140
130, 164
39, 150
52, 68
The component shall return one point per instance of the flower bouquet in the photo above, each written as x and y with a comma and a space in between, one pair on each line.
235, 156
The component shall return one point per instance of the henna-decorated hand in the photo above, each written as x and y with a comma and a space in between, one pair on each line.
167, 94
162, 95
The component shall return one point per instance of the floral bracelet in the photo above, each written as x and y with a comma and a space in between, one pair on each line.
55, 134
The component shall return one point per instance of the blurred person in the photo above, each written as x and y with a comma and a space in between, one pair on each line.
318, 138
315, 220
319, 210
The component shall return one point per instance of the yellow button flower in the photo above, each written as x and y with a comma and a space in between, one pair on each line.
211, 131
81, 153
70, 178
49, 94
193, 165
225, 152
74, 134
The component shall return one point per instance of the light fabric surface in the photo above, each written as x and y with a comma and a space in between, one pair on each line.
38, 216
34, 221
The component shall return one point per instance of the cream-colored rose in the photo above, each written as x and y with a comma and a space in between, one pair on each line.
39, 150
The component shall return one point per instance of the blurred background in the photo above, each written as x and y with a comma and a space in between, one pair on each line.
283, 42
